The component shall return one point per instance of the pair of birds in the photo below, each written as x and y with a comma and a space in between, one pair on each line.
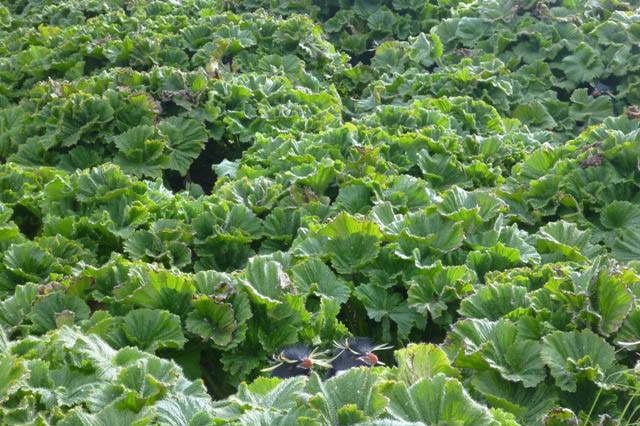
299, 360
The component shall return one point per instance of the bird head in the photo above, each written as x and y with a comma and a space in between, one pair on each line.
296, 360
363, 350
370, 359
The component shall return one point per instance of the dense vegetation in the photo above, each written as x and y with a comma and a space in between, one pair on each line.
188, 186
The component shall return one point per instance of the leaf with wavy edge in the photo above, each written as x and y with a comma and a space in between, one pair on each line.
153, 329
437, 400
575, 355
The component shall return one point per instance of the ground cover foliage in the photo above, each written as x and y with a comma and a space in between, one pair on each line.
188, 186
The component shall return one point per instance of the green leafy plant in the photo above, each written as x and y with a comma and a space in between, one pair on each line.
186, 188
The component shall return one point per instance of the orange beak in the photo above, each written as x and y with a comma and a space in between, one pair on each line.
306, 363
370, 359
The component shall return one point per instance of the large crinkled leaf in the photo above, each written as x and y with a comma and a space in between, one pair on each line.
352, 243
629, 334
271, 393
185, 139
383, 305
25, 262
496, 345
355, 389
538, 164
111, 415
470, 29
58, 309
589, 109
184, 410
528, 404
14, 309
584, 65
428, 234
281, 227
212, 320
166, 243
11, 370
210, 315
259, 195
25, 412
213, 282
470, 207
623, 218
300, 415
144, 245
5, 213
241, 363
107, 387
515, 359
82, 116
161, 289
317, 176
101, 356
437, 400
102, 184
433, 289
226, 168
72, 387
494, 301
613, 300
312, 275
153, 329
384, 216
388, 268
408, 193
441, 170
125, 217
534, 113
564, 241
510, 238
424, 360
599, 294
139, 153
10, 234
626, 245
237, 224
620, 215
578, 355
143, 385
591, 183
354, 198
266, 281
495, 258
166, 372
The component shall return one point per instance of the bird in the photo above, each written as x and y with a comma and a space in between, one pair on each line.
598, 89
355, 352
296, 360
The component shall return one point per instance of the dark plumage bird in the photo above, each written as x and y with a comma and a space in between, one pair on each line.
598, 89
355, 352
297, 360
